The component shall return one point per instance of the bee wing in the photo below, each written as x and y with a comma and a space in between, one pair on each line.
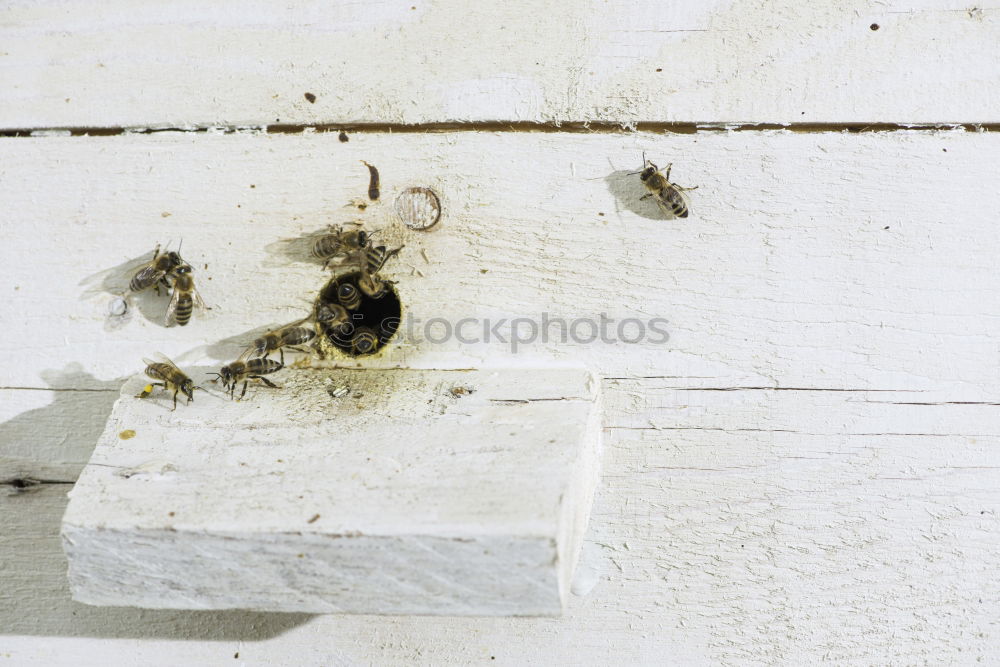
251, 352
159, 358
674, 203
171, 318
146, 277
199, 303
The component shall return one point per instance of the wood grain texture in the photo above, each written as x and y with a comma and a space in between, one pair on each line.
830, 261
761, 526
132, 63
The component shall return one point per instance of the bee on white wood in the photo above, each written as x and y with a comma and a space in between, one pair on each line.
184, 299
668, 196
372, 261
155, 272
340, 243
244, 371
171, 378
290, 335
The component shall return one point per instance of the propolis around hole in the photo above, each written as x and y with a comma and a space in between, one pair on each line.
378, 318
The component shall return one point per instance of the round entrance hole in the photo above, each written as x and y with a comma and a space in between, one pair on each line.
371, 325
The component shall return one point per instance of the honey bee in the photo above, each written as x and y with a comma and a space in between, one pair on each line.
286, 336
339, 243
364, 341
374, 258
155, 272
170, 377
668, 196
372, 261
372, 286
244, 371
184, 298
331, 315
349, 296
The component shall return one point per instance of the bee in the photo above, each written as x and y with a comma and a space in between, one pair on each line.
364, 341
244, 371
372, 261
373, 184
184, 298
339, 243
332, 314
286, 336
374, 258
170, 377
349, 296
334, 320
668, 196
155, 272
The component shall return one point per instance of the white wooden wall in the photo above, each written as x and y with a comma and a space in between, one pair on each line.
808, 470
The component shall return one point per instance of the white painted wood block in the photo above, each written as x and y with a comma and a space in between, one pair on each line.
416, 492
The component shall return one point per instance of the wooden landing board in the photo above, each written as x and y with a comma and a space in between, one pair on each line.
135, 64
811, 510
415, 492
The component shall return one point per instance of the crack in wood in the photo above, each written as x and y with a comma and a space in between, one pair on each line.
569, 127
58, 389
23, 484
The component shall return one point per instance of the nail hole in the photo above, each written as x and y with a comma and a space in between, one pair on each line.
418, 208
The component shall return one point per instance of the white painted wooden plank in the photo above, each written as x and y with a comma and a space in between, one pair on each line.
40, 624
833, 260
132, 63
399, 497
821, 527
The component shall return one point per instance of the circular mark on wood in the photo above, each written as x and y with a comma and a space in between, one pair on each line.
418, 208
372, 324
117, 307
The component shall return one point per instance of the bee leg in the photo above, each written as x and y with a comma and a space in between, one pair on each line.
244, 393
685, 189
164, 282
281, 351
175, 401
666, 172
645, 196
265, 381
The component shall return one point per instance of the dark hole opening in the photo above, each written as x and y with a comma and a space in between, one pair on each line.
379, 316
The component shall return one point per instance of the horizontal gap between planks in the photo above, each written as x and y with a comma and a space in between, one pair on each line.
597, 127
27, 484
